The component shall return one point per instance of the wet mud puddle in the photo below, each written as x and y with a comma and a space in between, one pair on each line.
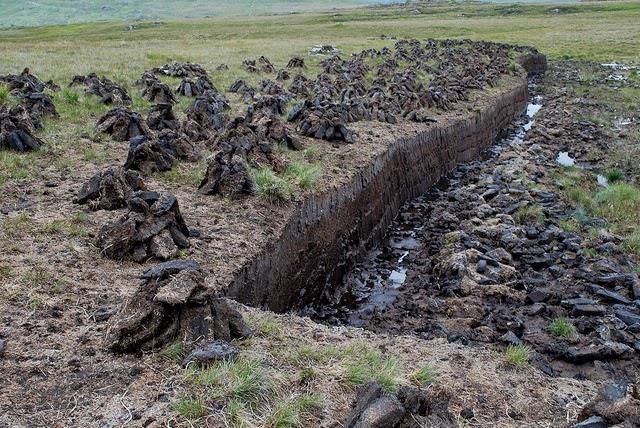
374, 283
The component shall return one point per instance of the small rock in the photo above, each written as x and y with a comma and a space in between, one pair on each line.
163, 270
482, 266
511, 338
3, 346
538, 295
627, 317
592, 422
610, 296
467, 413
217, 350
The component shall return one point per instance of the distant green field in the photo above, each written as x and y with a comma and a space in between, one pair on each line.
46, 12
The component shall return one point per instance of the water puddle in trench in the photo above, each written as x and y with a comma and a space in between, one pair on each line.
374, 283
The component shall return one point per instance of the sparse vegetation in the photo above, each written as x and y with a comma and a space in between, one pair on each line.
529, 214
176, 351
291, 413
4, 93
561, 327
271, 187
303, 174
366, 365
190, 408
518, 355
614, 175
424, 375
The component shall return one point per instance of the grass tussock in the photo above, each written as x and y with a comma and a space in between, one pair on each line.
303, 174
190, 408
424, 375
271, 187
529, 214
561, 327
518, 355
292, 412
367, 365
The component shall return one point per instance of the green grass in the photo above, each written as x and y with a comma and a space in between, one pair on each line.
424, 375
4, 93
16, 225
518, 355
65, 11
37, 276
291, 413
244, 379
190, 408
303, 174
368, 365
176, 351
561, 327
271, 187
529, 214
614, 175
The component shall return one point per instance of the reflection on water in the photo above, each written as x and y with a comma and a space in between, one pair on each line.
565, 160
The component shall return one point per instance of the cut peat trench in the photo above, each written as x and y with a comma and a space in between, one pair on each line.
332, 231
375, 282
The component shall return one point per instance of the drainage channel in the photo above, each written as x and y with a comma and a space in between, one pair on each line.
375, 282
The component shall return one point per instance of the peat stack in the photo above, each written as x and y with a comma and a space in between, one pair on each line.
227, 175
149, 155
40, 103
283, 75
152, 228
162, 117
296, 62
205, 115
109, 92
110, 189
172, 302
327, 123
184, 69
157, 92
16, 130
123, 124
26, 83
190, 88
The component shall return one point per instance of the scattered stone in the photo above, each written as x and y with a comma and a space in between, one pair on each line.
163, 270
3, 346
628, 317
123, 124
374, 409
110, 189
217, 350
592, 422
616, 403
132, 235
603, 352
